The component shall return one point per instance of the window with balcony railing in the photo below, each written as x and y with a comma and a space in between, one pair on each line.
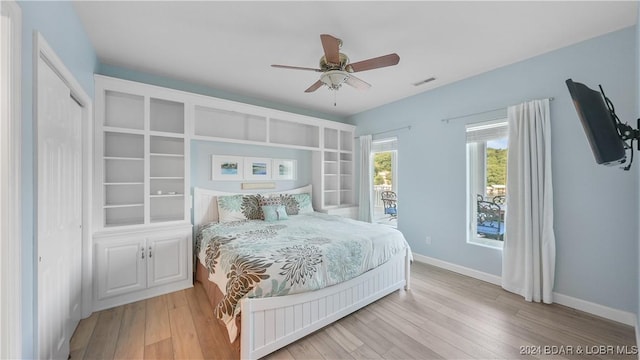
486, 182
385, 197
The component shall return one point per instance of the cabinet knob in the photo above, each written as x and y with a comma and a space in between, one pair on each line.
142, 251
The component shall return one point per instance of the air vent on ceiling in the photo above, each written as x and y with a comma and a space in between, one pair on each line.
424, 81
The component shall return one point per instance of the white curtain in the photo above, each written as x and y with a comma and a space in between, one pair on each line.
528, 263
365, 210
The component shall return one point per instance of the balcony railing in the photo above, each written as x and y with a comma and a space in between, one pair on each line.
377, 194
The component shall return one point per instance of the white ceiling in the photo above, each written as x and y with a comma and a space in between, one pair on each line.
230, 46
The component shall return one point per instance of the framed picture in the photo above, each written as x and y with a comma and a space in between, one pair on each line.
224, 167
257, 168
283, 169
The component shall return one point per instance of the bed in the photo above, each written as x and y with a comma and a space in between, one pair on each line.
277, 300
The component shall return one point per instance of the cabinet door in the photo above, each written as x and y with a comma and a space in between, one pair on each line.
120, 267
167, 259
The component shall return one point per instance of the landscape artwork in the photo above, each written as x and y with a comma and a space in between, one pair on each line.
226, 167
257, 169
284, 169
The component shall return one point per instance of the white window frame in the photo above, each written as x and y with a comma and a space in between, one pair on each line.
10, 189
477, 135
388, 145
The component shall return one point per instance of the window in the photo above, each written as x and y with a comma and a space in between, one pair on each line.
384, 155
486, 182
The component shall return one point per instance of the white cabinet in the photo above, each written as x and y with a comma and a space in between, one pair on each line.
120, 267
140, 265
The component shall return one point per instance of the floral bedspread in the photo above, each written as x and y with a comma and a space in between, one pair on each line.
306, 252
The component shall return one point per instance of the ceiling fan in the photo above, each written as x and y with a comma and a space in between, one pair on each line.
336, 68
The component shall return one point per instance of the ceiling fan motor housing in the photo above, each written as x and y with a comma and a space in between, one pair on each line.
326, 66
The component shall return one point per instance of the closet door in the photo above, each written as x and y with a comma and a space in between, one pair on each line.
59, 212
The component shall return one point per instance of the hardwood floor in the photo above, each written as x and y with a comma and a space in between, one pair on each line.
444, 316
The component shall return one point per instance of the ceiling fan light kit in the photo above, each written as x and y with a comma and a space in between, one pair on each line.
334, 78
336, 68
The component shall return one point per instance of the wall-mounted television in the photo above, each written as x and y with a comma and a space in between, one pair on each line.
600, 124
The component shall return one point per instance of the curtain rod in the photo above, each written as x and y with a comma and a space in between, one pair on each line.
386, 131
481, 112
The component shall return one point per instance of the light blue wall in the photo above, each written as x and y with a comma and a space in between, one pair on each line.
596, 207
201, 152
61, 28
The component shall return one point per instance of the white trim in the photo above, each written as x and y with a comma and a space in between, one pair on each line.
490, 278
637, 333
10, 188
265, 318
606, 312
43, 50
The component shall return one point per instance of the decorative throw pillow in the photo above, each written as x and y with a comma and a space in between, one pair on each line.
251, 207
268, 201
297, 203
304, 203
239, 207
290, 204
274, 212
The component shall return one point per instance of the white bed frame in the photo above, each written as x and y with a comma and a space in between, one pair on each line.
268, 324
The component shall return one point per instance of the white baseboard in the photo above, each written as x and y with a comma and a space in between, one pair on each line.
637, 335
490, 278
606, 312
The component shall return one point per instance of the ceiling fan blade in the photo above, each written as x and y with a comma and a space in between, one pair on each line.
331, 46
357, 83
316, 85
295, 67
374, 63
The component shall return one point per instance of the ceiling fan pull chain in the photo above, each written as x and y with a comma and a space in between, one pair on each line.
335, 95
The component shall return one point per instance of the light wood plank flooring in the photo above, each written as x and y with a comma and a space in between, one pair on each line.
444, 316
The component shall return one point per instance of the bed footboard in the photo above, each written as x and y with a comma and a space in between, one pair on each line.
271, 323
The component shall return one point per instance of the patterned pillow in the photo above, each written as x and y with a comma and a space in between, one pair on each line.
304, 203
274, 212
270, 201
297, 203
239, 207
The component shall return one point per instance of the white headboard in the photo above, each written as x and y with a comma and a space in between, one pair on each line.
205, 203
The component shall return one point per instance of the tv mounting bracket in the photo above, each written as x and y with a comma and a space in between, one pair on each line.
628, 133
625, 131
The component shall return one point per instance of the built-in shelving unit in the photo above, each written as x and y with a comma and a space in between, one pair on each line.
142, 235
141, 179
123, 159
334, 167
143, 157
227, 125
330, 141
